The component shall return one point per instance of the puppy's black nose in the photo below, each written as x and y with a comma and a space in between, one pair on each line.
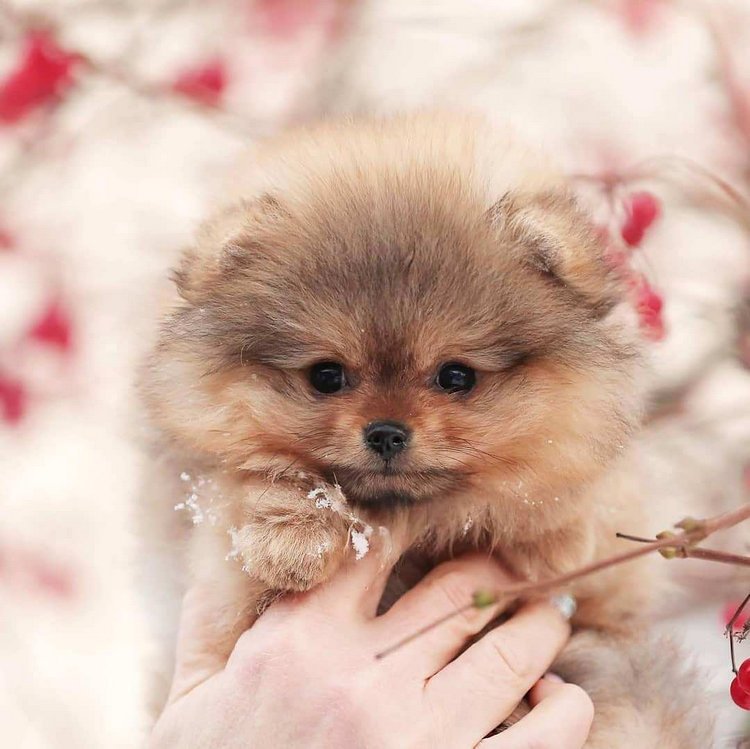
386, 438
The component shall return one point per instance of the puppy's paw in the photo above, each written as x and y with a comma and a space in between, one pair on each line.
290, 556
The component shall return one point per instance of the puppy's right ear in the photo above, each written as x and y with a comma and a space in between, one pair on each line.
226, 242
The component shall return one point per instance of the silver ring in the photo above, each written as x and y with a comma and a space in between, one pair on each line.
565, 604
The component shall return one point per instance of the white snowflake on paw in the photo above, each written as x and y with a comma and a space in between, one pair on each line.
320, 495
361, 541
234, 551
321, 549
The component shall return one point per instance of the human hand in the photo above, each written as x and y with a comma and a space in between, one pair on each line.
305, 674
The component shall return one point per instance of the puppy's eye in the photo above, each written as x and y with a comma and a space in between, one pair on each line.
456, 378
327, 377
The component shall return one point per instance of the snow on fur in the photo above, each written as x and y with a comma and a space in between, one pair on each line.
332, 498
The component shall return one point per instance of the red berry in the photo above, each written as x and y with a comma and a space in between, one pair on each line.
641, 210
42, 73
739, 696
205, 83
284, 18
54, 327
52, 578
649, 306
729, 611
7, 242
743, 675
651, 302
639, 15
653, 327
12, 399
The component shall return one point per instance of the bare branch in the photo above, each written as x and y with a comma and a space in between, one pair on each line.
693, 532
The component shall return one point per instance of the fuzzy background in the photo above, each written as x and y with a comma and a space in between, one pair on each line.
118, 122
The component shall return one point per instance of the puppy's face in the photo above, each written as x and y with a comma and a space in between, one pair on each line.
400, 337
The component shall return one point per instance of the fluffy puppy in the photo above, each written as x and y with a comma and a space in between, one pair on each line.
408, 327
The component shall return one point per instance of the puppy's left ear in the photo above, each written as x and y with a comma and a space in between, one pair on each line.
225, 244
553, 235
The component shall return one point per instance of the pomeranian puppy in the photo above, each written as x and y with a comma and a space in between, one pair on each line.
408, 327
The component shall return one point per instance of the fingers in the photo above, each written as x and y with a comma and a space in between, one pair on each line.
446, 589
203, 641
481, 687
561, 719
358, 586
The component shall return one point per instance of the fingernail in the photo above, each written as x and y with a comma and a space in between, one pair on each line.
565, 604
549, 676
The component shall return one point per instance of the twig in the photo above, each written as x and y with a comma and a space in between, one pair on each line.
730, 629
701, 529
718, 556
711, 555
727, 197
424, 630
693, 531
156, 92
640, 539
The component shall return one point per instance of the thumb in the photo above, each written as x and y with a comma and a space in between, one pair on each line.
209, 628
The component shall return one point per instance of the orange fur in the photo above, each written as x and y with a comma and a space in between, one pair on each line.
393, 247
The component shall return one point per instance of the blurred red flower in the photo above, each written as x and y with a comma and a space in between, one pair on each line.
43, 73
649, 305
13, 398
7, 241
284, 18
205, 83
640, 15
728, 613
54, 327
641, 210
